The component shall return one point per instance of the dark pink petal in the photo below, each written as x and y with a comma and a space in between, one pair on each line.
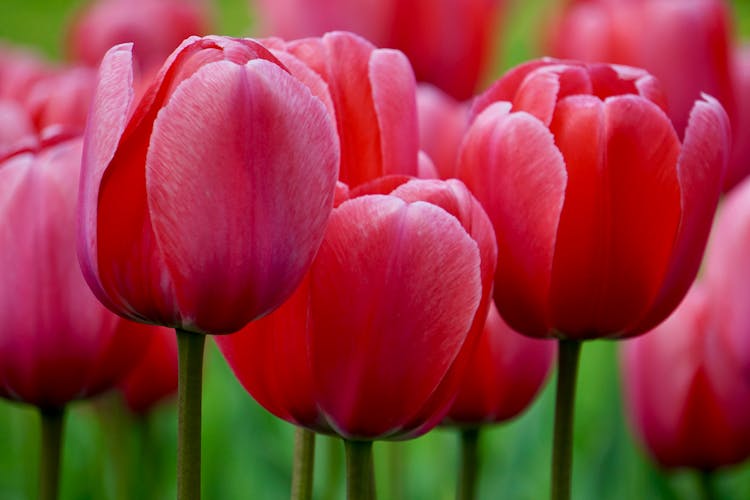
510, 163
395, 287
239, 199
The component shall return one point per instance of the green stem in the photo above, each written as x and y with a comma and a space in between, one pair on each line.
304, 463
467, 479
49, 456
190, 380
333, 472
568, 353
395, 453
708, 490
360, 483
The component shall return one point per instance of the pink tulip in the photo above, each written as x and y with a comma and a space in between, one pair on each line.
601, 214
202, 206
16, 128
57, 342
739, 163
684, 43
372, 344
154, 377
62, 99
372, 93
19, 71
504, 374
683, 395
155, 27
449, 42
442, 124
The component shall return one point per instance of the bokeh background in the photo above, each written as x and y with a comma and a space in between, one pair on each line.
108, 454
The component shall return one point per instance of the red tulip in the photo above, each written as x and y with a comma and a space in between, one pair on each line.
684, 397
684, 43
442, 124
57, 342
504, 374
202, 207
156, 28
372, 344
154, 378
601, 215
449, 42
372, 93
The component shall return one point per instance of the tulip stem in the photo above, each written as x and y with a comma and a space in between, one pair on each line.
395, 457
467, 479
568, 354
49, 457
304, 463
360, 483
190, 381
706, 478
333, 472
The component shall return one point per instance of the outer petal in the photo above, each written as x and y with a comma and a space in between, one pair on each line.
395, 288
239, 205
701, 169
442, 123
512, 166
621, 212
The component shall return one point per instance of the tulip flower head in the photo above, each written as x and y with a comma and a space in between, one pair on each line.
601, 213
202, 206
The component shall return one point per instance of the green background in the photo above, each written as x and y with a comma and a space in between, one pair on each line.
247, 453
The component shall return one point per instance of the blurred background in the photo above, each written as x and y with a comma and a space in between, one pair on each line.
247, 452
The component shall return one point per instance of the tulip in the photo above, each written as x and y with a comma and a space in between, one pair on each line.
739, 162
686, 44
372, 94
201, 208
16, 128
442, 123
57, 343
504, 375
372, 345
601, 214
155, 27
685, 399
449, 42
19, 71
62, 99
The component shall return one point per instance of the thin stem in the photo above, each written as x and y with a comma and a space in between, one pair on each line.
333, 472
304, 463
395, 456
469, 471
190, 381
707, 483
568, 353
360, 483
49, 457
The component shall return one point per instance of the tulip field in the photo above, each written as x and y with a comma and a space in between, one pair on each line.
406, 250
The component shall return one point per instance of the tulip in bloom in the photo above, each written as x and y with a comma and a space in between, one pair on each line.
372, 344
19, 71
442, 124
449, 42
16, 128
202, 206
739, 163
683, 393
62, 100
600, 212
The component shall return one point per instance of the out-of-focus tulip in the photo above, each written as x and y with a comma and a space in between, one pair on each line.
57, 342
601, 214
739, 163
62, 99
154, 377
449, 42
373, 95
504, 374
201, 208
442, 124
684, 397
19, 70
155, 27
372, 345
16, 128
684, 43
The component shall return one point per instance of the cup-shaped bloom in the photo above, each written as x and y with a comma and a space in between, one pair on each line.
155, 27
503, 376
154, 378
57, 342
62, 99
601, 214
682, 391
684, 43
442, 124
372, 345
373, 94
449, 42
202, 207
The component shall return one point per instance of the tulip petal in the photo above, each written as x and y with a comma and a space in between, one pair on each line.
701, 169
539, 92
510, 163
402, 281
239, 199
